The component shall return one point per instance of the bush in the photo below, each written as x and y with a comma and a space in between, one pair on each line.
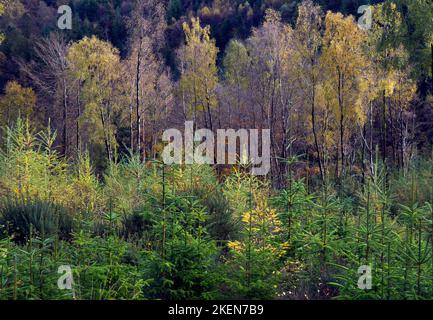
137, 224
24, 219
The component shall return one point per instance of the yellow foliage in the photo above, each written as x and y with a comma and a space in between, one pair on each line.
96, 64
16, 102
262, 228
199, 71
345, 62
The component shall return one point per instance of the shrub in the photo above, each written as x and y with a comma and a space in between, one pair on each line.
26, 218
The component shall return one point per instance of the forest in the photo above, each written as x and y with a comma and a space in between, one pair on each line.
89, 210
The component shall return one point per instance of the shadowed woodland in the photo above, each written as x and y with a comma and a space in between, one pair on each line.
83, 184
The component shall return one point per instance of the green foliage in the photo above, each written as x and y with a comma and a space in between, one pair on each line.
151, 231
254, 260
420, 37
103, 270
29, 271
24, 219
30, 165
186, 269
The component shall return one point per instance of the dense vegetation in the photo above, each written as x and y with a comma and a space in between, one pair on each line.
155, 231
82, 183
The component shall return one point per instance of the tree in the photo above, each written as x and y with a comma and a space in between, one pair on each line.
198, 72
394, 88
95, 64
16, 102
255, 257
344, 61
237, 65
308, 44
146, 28
420, 42
156, 96
274, 87
50, 75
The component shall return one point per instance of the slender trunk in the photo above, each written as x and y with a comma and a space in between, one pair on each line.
432, 69
194, 84
402, 147
131, 126
210, 116
316, 142
185, 116
391, 119
65, 118
384, 127
271, 123
78, 123
194, 115
164, 230
364, 132
419, 259
106, 136
137, 98
142, 141
367, 236
340, 103
371, 140
8, 117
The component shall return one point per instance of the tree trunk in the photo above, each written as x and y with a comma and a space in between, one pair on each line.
131, 126
316, 142
340, 103
384, 128
137, 99
371, 140
106, 136
78, 122
65, 118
